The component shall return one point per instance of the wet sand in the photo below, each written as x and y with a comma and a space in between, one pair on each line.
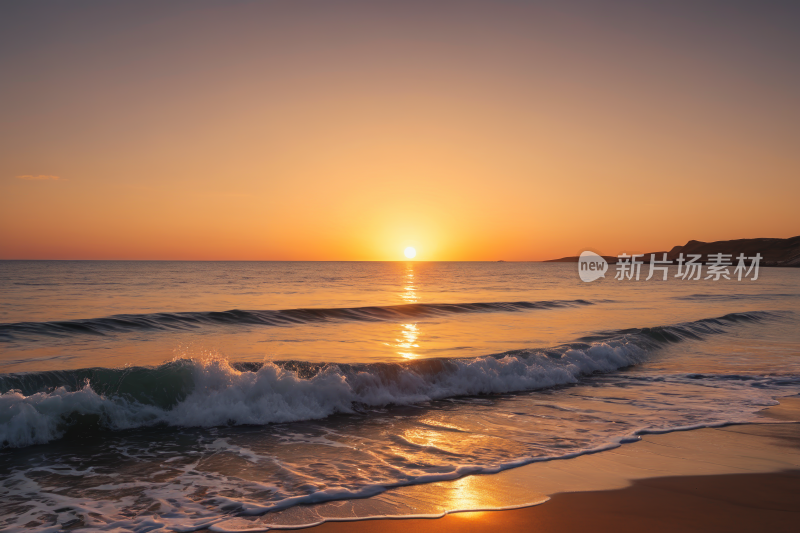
733, 478
734, 502
750, 482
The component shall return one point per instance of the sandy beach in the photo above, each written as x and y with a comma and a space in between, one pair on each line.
735, 502
750, 482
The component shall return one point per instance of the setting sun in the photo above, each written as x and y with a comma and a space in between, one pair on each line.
410, 252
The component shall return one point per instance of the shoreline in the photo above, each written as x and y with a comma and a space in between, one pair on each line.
724, 503
662, 473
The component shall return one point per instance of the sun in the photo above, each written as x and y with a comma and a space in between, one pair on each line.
410, 252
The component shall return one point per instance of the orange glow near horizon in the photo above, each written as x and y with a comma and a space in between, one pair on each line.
505, 131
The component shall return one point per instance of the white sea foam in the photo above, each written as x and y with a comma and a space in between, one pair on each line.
223, 395
107, 506
180, 511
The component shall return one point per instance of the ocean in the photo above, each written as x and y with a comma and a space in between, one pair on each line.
145, 395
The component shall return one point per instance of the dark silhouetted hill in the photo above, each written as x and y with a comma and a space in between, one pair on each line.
774, 252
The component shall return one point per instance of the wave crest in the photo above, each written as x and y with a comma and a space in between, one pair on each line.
287, 317
40, 407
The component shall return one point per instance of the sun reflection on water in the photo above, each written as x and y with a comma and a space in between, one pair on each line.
406, 344
409, 294
408, 341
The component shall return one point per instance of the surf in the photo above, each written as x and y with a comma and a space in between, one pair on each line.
40, 407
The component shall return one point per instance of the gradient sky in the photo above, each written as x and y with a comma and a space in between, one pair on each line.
336, 130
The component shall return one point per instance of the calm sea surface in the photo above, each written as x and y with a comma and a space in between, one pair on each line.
140, 395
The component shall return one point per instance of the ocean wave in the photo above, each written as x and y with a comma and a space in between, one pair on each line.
690, 330
287, 317
40, 407
741, 296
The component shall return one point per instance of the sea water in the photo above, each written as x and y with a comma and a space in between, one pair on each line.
141, 395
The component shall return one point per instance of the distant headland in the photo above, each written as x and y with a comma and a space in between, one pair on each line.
775, 252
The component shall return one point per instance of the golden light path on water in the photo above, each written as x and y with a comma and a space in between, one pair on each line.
409, 332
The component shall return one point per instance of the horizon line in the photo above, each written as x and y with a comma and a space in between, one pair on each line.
304, 260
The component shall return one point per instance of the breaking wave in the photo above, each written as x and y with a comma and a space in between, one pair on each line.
39, 407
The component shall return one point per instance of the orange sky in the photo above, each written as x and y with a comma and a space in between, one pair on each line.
350, 130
